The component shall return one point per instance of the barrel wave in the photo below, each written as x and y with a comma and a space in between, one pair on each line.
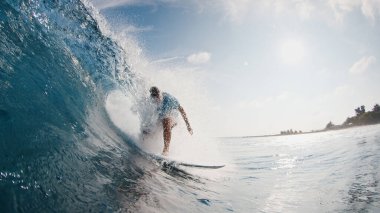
59, 151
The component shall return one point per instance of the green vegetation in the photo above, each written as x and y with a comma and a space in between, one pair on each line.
290, 132
361, 118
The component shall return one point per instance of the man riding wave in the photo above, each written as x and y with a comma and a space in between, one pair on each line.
168, 108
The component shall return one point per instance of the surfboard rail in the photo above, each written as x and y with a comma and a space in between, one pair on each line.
171, 162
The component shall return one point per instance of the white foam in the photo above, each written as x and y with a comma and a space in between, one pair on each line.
121, 112
127, 107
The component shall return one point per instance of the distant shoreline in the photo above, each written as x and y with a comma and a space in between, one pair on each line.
303, 133
362, 118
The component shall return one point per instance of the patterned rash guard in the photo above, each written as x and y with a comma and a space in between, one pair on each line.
169, 106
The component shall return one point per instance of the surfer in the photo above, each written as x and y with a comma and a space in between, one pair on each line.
167, 106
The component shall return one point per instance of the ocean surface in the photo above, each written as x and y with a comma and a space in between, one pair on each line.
61, 149
337, 171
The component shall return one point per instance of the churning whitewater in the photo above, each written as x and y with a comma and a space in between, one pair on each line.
65, 82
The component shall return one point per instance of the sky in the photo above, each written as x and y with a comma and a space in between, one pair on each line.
268, 65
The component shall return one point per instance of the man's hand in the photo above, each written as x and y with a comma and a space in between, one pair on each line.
183, 113
190, 130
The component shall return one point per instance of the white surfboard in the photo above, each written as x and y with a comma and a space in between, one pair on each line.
171, 162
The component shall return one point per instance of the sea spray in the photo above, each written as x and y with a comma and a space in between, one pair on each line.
59, 149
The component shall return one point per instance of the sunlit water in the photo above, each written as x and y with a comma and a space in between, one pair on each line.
335, 171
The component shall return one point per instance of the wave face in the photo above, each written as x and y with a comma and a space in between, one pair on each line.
59, 151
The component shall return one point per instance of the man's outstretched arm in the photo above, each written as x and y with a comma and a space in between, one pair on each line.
183, 113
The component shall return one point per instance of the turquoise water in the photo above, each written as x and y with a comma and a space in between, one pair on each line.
60, 151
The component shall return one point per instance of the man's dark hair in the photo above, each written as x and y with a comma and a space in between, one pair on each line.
154, 91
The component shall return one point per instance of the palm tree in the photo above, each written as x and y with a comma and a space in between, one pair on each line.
329, 125
357, 110
362, 109
376, 108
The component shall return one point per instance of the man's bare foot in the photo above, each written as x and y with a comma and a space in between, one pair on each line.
165, 153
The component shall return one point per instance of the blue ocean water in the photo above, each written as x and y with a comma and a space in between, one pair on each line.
60, 151
335, 171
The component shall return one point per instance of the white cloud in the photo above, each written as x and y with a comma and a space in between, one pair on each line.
199, 58
362, 65
133, 29
371, 8
103, 4
304, 9
166, 60
342, 7
238, 11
